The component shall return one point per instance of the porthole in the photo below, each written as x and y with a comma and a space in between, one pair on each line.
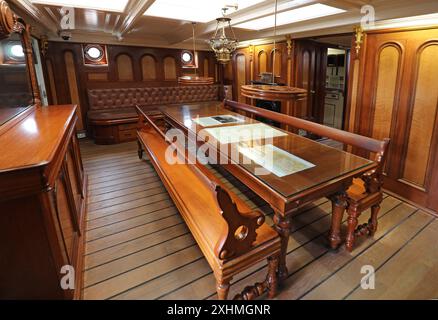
187, 57
94, 52
13, 52
16, 51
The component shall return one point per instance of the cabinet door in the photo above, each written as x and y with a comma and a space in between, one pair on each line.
75, 176
66, 214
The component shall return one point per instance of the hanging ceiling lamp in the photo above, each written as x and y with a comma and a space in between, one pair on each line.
194, 79
272, 91
222, 45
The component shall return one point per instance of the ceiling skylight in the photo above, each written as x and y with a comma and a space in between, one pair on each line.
291, 16
194, 10
104, 5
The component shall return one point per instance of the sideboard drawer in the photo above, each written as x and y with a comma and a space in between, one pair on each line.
127, 126
127, 135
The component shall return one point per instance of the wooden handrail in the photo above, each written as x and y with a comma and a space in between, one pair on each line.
346, 137
231, 243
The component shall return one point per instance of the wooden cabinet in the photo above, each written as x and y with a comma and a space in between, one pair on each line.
394, 93
42, 206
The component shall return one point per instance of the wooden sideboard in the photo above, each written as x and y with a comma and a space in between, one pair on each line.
42, 205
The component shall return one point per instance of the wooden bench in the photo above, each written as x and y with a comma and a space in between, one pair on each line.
366, 191
230, 235
112, 117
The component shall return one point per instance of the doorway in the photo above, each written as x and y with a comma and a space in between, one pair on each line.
335, 88
39, 72
322, 67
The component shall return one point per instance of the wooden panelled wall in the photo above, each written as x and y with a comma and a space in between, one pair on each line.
394, 93
299, 63
68, 79
248, 63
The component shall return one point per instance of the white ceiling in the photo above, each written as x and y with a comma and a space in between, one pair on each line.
136, 22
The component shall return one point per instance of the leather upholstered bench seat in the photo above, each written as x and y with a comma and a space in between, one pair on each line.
112, 117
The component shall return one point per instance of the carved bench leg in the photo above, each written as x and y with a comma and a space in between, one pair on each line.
139, 150
222, 288
352, 221
270, 284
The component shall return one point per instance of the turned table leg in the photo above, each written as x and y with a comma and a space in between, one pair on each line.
271, 279
372, 223
222, 288
282, 225
339, 204
352, 222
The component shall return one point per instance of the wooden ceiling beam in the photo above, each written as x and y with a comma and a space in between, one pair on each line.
133, 12
260, 10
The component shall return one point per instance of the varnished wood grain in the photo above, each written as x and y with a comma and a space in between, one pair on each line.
412, 164
310, 262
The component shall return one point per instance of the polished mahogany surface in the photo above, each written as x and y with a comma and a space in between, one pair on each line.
32, 141
7, 114
329, 163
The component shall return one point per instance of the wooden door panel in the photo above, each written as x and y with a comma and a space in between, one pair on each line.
309, 69
388, 72
263, 62
69, 59
423, 119
241, 75
397, 96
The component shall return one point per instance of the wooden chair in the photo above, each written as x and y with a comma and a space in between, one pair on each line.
364, 193
231, 236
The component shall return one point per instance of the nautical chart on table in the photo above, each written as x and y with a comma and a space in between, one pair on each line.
275, 160
246, 132
217, 120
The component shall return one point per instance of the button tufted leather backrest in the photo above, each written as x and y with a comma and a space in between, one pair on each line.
106, 99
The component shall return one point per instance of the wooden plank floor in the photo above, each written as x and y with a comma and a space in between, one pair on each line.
138, 247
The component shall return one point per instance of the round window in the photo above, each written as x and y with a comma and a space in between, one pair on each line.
94, 53
16, 51
187, 57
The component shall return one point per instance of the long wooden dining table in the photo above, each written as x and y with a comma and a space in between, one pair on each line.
307, 170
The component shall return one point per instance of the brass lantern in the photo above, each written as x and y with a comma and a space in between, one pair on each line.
222, 45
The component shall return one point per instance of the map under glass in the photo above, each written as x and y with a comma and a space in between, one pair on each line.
275, 160
246, 132
217, 120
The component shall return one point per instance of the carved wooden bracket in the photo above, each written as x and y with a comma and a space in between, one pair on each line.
241, 227
44, 43
359, 34
289, 46
7, 20
251, 52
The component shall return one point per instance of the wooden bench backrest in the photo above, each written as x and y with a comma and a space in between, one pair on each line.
229, 244
369, 144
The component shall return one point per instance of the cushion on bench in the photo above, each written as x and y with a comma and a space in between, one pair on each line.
119, 114
119, 98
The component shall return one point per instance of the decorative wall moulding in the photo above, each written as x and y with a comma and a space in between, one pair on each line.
359, 35
195, 80
273, 93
